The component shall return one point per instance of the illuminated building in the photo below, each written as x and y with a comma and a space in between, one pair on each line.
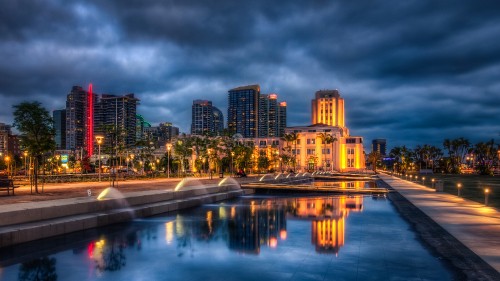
160, 134
115, 118
314, 152
272, 116
206, 118
59, 117
4, 138
79, 119
242, 110
380, 146
254, 115
328, 108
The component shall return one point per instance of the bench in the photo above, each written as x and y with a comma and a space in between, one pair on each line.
7, 184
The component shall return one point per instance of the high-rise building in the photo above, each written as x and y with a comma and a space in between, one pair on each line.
281, 119
79, 110
141, 126
206, 118
115, 119
272, 116
379, 145
202, 117
242, 113
59, 117
218, 121
328, 108
4, 138
161, 134
254, 115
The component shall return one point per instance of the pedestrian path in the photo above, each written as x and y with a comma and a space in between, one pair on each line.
474, 224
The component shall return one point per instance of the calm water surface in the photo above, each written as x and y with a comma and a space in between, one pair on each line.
252, 238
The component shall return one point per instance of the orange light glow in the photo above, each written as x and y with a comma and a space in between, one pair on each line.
273, 242
283, 234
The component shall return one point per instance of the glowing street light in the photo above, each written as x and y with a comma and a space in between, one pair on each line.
486, 194
433, 180
7, 161
459, 187
99, 142
169, 146
232, 165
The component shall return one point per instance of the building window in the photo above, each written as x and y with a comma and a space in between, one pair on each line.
350, 151
298, 141
298, 152
310, 151
311, 141
350, 140
350, 163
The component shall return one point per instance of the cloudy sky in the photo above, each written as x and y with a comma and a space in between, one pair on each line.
412, 72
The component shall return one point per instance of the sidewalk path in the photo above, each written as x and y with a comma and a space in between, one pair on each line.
472, 223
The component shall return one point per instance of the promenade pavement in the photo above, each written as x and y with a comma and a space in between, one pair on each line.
474, 224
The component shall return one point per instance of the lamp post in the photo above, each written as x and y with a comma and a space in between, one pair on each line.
99, 142
232, 165
25, 161
7, 161
459, 186
486, 193
169, 146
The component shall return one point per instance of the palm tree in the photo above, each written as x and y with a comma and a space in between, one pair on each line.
331, 139
293, 137
374, 157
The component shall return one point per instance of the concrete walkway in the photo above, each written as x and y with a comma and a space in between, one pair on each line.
472, 223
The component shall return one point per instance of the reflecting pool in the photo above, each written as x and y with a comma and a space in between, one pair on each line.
251, 238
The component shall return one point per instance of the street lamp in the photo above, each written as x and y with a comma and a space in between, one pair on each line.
7, 160
169, 146
459, 186
486, 193
232, 165
25, 167
99, 142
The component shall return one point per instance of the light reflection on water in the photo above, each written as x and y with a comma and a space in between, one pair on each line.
253, 238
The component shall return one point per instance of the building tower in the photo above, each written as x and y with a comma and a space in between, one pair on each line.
281, 119
202, 117
4, 138
242, 112
328, 108
379, 145
59, 117
76, 118
218, 118
115, 118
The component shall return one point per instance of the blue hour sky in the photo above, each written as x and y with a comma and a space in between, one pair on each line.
413, 72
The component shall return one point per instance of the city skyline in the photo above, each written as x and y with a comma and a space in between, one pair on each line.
412, 73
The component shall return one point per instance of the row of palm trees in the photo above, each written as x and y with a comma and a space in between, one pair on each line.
459, 154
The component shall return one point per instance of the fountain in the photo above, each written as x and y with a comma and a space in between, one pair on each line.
264, 177
116, 200
191, 184
228, 184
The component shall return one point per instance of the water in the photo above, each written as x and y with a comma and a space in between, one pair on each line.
252, 238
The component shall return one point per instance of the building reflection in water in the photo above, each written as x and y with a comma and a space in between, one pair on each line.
328, 219
245, 227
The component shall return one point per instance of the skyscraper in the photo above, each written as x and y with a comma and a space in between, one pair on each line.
218, 121
380, 146
202, 117
206, 118
79, 109
328, 108
242, 110
59, 117
4, 138
272, 116
115, 119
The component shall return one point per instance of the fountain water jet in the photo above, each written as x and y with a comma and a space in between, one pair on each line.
228, 184
117, 200
192, 184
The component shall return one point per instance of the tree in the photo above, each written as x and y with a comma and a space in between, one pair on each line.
37, 132
486, 155
293, 137
373, 158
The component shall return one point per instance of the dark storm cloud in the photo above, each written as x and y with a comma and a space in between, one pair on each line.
410, 71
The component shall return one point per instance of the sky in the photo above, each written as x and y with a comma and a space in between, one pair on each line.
412, 72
